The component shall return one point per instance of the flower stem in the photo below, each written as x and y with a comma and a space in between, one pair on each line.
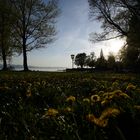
120, 133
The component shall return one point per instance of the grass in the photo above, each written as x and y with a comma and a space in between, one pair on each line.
73, 106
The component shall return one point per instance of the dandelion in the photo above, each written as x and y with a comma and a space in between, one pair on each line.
90, 117
50, 112
110, 112
117, 92
130, 87
98, 121
71, 98
86, 100
103, 103
125, 96
102, 121
68, 109
95, 98
28, 93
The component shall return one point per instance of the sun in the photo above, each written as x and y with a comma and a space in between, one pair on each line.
114, 46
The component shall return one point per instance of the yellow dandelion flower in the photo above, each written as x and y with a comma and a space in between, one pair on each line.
28, 93
109, 112
102, 123
125, 96
117, 92
98, 121
86, 100
95, 98
90, 117
51, 112
68, 109
130, 87
71, 98
107, 94
103, 103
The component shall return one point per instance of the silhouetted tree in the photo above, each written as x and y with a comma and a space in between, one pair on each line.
90, 60
35, 21
115, 16
80, 59
111, 61
6, 40
101, 62
120, 18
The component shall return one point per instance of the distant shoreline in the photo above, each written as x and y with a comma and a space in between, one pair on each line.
36, 68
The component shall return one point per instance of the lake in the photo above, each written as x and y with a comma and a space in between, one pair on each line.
33, 68
49, 69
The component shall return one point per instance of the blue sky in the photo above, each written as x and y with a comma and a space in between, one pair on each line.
73, 27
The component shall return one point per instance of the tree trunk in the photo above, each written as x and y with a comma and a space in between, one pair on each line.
25, 65
4, 59
3, 54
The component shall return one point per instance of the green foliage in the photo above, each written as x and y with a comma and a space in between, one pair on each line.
80, 59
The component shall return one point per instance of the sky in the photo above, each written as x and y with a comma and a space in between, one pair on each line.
73, 28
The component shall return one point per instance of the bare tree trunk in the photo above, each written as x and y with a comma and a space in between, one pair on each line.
3, 54
3, 44
4, 59
25, 65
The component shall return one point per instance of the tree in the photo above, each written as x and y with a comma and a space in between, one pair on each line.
115, 16
129, 56
80, 59
35, 24
120, 18
111, 61
6, 41
90, 60
101, 63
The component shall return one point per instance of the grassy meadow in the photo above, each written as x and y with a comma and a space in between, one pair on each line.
69, 106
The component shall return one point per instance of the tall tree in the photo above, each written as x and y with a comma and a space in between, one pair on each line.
111, 61
6, 20
35, 24
90, 60
101, 63
120, 18
115, 16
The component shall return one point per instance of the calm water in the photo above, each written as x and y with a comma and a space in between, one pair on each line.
49, 69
